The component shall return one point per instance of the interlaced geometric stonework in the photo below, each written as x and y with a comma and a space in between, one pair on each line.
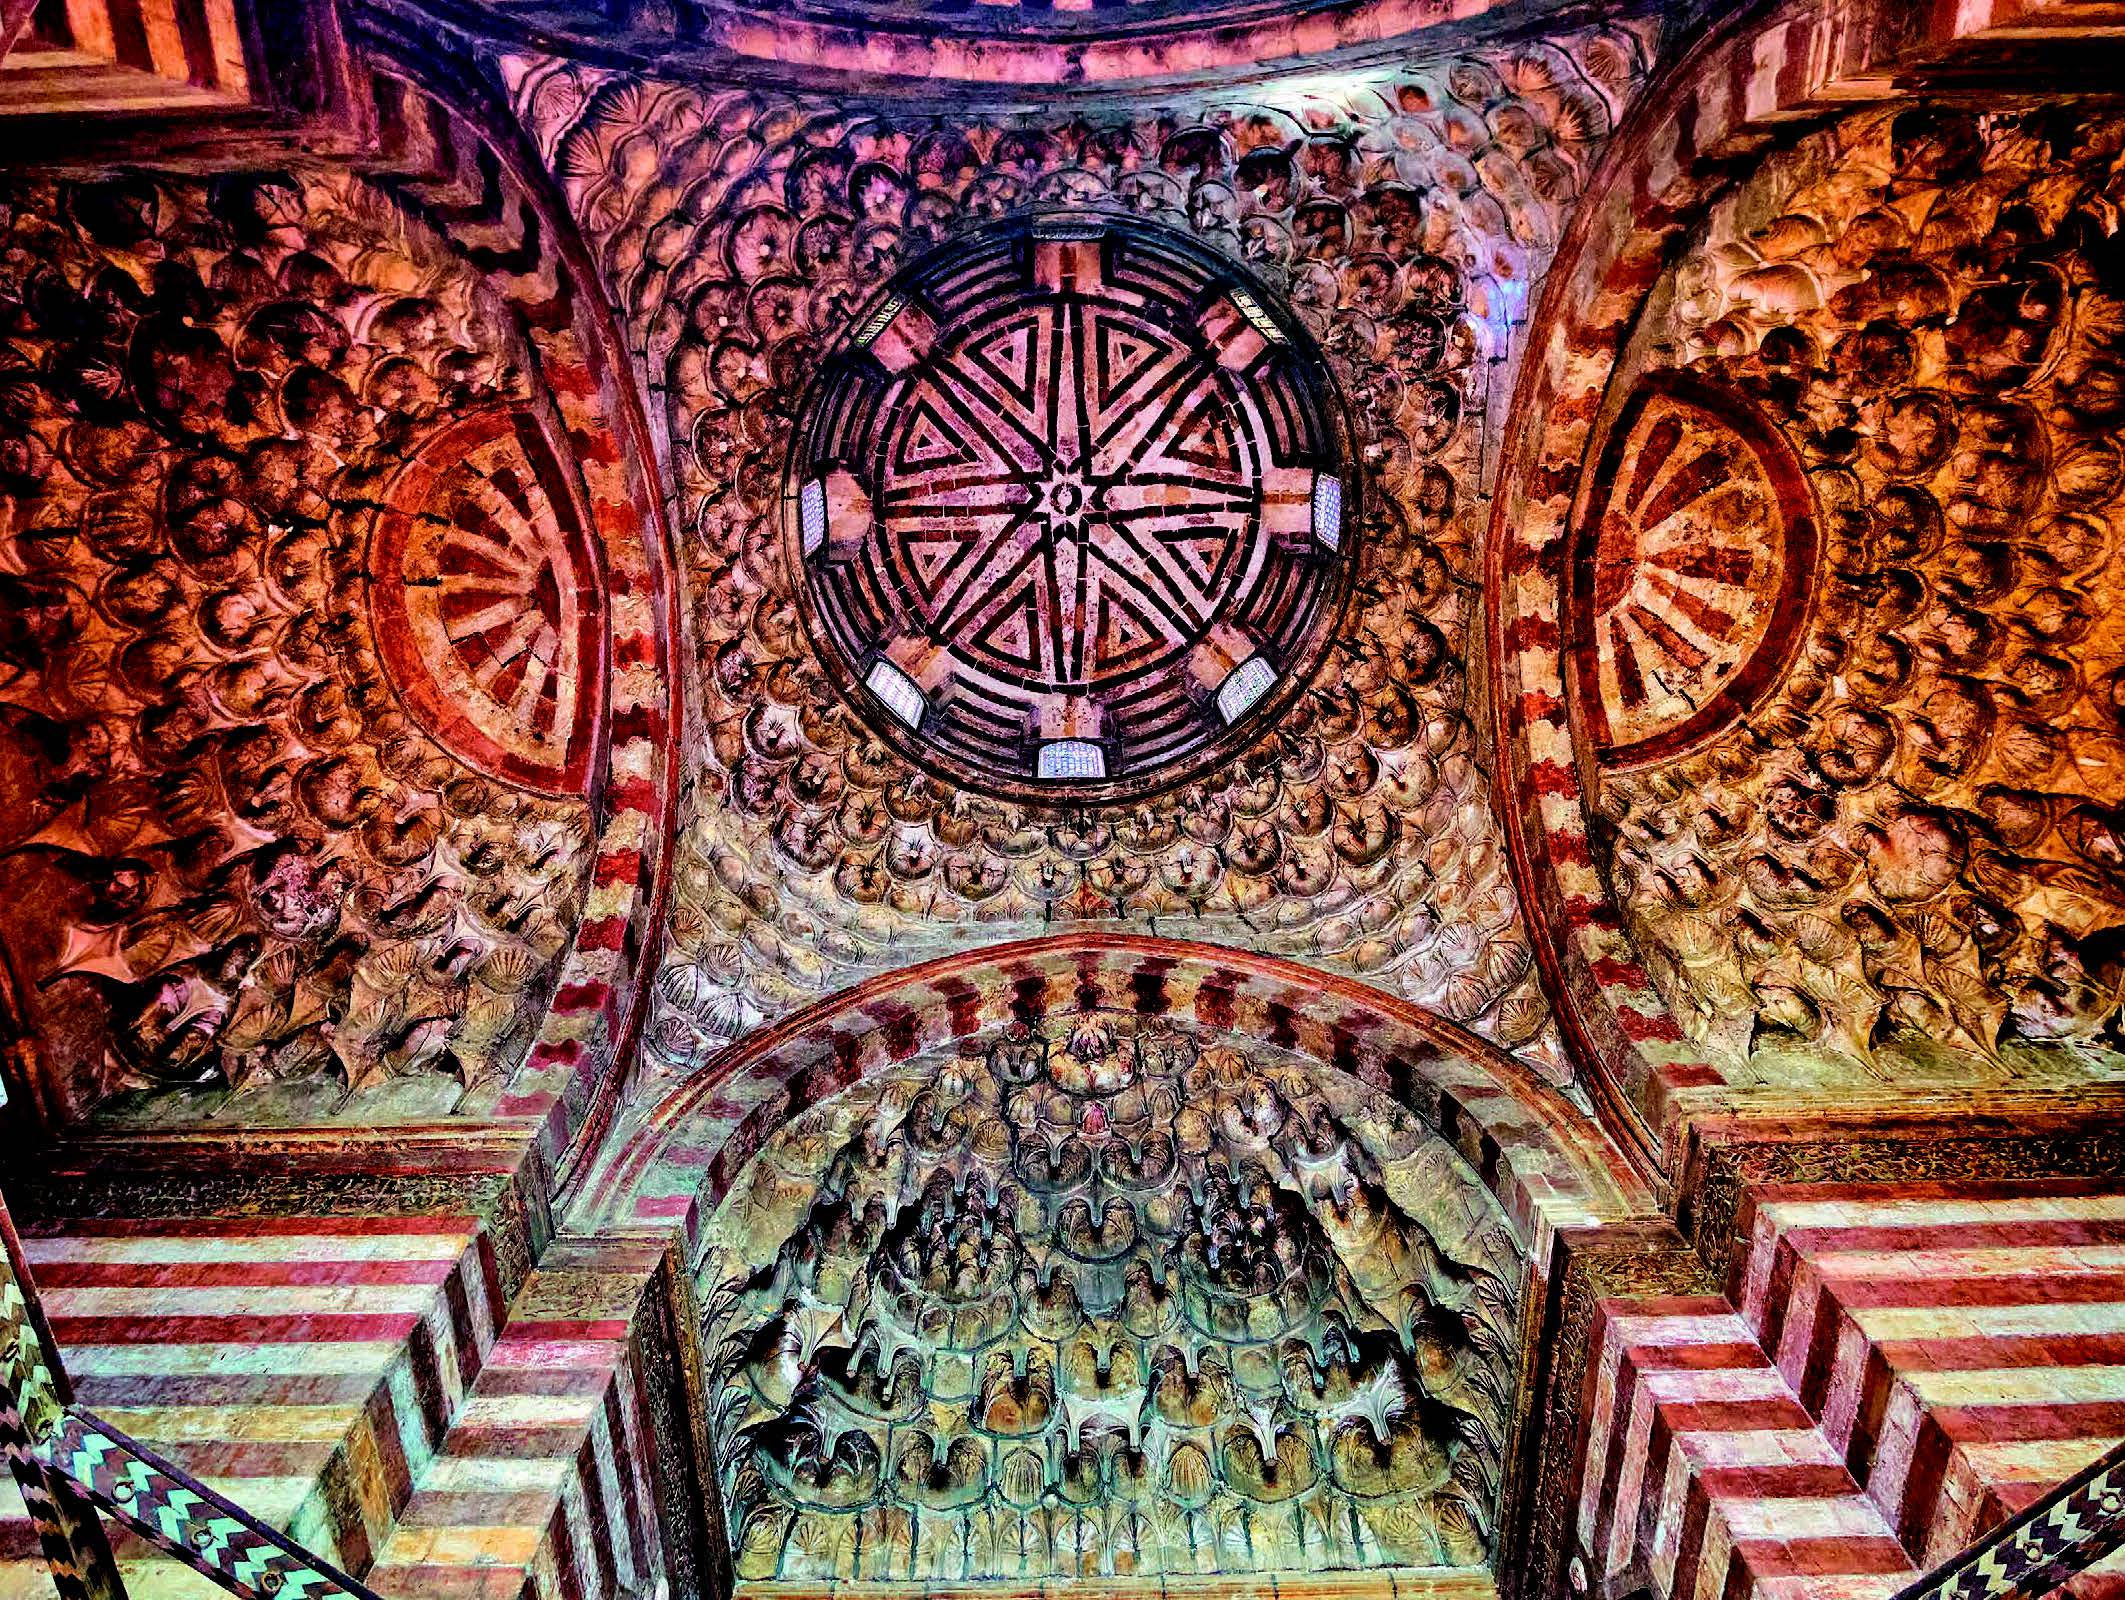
1401, 217
1064, 483
1105, 1296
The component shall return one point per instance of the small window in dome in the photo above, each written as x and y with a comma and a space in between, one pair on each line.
1072, 758
900, 693
1328, 509
1244, 687
811, 514
1261, 321
1070, 230
878, 321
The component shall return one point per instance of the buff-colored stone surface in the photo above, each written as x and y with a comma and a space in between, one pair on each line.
1404, 217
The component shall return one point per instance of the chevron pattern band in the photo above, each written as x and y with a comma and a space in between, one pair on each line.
185, 1518
68, 1530
2065, 1533
68, 1465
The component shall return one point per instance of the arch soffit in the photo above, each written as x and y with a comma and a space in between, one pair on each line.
1766, 69
574, 1074
1548, 1165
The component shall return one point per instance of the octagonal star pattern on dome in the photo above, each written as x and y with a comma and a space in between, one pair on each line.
1070, 483
1097, 1296
1401, 217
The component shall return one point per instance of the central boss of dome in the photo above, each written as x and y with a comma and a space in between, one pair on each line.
1071, 507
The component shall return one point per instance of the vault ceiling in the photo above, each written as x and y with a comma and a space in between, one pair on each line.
331, 713
1861, 805
243, 855
1401, 218
1098, 1295
890, 668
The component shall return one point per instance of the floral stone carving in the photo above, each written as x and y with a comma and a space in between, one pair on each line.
1106, 1296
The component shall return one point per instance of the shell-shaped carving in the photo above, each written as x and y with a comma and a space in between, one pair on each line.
1863, 855
1400, 224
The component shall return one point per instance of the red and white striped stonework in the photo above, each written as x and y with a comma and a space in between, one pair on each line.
1964, 1351
306, 1369
1707, 1476
594, 1006
1906, 1370
1544, 1160
544, 1488
475, 190
1720, 100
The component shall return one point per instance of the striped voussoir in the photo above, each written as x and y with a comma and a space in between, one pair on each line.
1659, 174
211, 1535
1538, 1154
438, 163
1705, 1472
595, 1002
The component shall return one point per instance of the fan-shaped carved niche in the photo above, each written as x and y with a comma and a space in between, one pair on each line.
1070, 506
488, 607
1692, 570
1107, 1296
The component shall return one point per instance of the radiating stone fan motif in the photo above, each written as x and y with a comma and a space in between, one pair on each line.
243, 878
1696, 555
1063, 482
1903, 869
486, 601
1101, 1297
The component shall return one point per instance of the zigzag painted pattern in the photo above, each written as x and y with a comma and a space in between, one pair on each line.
69, 1534
437, 163
441, 169
194, 1527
